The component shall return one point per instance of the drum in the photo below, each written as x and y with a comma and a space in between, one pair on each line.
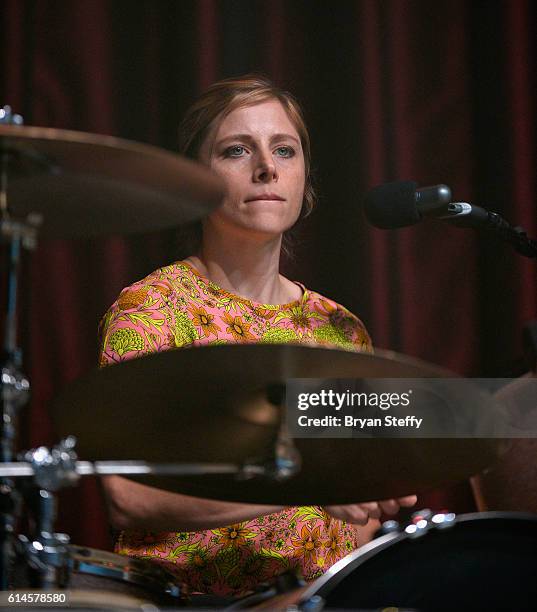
104, 580
481, 562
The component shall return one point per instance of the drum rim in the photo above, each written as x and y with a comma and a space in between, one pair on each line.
342, 568
131, 570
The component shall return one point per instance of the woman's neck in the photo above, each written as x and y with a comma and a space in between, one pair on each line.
245, 267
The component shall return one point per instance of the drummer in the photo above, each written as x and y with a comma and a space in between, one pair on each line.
230, 290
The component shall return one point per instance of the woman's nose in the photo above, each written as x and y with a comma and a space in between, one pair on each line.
265, 169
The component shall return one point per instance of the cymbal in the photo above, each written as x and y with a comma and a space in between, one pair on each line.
86, 185
208, 404
511, 484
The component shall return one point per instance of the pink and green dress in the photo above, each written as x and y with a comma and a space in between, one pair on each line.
176, 307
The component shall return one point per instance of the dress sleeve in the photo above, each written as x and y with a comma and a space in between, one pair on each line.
141, 321
339, 327
360, 336
353, 329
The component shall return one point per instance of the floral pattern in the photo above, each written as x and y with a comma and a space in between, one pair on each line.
174, 307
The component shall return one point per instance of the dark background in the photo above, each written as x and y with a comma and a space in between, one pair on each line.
392, 89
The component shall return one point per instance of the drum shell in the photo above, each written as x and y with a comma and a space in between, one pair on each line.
483, 562
114, 577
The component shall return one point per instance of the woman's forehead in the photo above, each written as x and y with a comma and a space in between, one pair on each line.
269, 113
262, 119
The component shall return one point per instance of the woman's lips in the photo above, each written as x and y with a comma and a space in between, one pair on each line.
264, 197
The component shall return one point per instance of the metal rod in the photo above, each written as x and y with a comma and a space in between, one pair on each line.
3, 185
16, 469
7, 520
11, 350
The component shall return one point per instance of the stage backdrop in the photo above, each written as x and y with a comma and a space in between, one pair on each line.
398, 89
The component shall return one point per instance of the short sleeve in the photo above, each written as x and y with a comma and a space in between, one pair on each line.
354, 328
141, 321
338, 327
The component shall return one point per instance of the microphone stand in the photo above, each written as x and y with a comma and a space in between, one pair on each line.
463, 214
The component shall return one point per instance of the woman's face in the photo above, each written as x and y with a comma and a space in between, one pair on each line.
258, 153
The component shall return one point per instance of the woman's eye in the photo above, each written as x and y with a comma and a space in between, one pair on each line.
285, 151
234, 151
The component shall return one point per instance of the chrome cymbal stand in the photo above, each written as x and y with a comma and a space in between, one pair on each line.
46, 552
14, 385
285, 460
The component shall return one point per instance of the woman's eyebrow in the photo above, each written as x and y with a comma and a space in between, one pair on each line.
249, 138
243, 137
284, 137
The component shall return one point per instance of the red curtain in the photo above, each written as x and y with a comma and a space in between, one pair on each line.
435, 92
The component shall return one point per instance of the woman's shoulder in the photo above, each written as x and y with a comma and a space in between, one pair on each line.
146, 316
165, 274
335, 323
326, 305
161, 281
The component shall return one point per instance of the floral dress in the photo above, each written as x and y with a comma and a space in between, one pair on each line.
176, 306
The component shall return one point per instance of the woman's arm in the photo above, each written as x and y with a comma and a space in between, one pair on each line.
359, 514
135, 506
132, 505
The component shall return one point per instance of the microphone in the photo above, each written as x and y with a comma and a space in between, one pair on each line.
401, 203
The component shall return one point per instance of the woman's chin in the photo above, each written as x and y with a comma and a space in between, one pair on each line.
262, 225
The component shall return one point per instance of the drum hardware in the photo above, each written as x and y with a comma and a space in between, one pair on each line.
8, 117
389, 526
46, 557
14, 385
47, 554
230, 403
421, 523
15, 469
425, 520
313, 604
83, 184
285, 460
102, 580
510, 484
284, 583
128, 468
91, 568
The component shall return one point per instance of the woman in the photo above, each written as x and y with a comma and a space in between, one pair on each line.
254, 136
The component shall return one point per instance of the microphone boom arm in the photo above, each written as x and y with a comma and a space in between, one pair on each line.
463, 214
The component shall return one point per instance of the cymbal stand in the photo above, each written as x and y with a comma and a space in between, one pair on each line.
47, 553
285, 461
14, 385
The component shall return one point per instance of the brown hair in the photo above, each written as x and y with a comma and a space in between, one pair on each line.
225, 96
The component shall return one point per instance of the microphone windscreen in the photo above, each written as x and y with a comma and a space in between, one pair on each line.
392, 205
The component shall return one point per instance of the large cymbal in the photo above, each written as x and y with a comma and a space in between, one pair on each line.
87, 184
207, 404
511, 484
